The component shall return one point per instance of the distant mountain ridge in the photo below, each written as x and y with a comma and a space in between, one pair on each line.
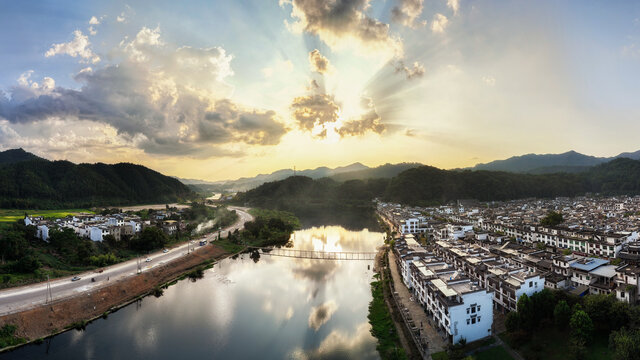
36, 183
427, 186
570, 162
355, 171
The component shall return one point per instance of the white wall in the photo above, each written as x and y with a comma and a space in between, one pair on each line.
459, 317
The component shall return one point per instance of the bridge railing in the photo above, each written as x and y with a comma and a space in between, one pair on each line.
315, 254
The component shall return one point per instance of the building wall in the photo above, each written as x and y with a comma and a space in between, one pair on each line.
459, 316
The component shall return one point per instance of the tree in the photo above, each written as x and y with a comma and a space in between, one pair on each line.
552, 219
581, 326
562, 314
512, 322
625, 344
619, 315
599, 309
150, 238
27, 264
526, 312
12, 245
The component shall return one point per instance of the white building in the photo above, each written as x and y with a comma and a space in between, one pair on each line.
42, 232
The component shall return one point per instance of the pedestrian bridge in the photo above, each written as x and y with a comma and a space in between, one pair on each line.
321, 255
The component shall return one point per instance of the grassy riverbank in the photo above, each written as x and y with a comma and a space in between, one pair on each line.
382, 326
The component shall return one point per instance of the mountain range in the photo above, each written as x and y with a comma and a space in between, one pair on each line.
570, 162
30, 182
344, 173
427, 185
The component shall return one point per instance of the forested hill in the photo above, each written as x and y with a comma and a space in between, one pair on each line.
16, 155
426, 185
43, 184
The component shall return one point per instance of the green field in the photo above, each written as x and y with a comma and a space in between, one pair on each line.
11, 215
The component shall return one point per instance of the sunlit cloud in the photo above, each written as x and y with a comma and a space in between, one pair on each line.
439, 23
407, 12
79, 46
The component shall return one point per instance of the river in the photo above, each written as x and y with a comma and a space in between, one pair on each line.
275, 308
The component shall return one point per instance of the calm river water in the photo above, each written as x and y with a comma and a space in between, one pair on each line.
276, 308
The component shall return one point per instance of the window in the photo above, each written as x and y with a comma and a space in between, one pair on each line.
468, 321
473, 320
478, 308
530, 283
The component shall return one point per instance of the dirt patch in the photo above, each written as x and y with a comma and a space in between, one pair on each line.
56, 317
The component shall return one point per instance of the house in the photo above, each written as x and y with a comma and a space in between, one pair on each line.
42, 232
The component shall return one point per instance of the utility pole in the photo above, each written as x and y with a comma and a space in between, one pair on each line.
139, 265
49, 295
294, 170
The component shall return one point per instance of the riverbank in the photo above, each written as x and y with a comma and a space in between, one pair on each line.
60, 316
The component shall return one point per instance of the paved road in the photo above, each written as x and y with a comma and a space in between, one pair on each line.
421, 320
25, 297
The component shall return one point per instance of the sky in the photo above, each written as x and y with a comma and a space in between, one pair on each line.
224, 89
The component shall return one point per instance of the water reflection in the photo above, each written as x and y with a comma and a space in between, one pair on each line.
274, 308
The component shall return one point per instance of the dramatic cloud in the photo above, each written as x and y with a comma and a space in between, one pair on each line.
439, 23
79, 46
318, 62
410, 72
319, 113
368, 122
407, 13
454, 5
338, 21
314, 110
321, 314
160, 98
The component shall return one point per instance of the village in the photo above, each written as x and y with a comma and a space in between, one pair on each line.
119, 224
464, 263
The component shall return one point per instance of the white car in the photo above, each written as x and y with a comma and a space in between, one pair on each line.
148, 260
75, 278
165, 251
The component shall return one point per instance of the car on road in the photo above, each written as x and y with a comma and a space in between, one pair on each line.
148, 260
165, 251
75, 278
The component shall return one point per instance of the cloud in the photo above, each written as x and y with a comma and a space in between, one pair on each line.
321, 314
94, 21
370, 121
341, 344
341, 22
319, 114
143, 46
439, 23
161, 98
416, 71
315, 110
489, 80
454, 5
125, 15
79, 46
319, 63
407, 13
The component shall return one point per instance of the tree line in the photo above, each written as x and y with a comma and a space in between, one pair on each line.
427, 185
583, 318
